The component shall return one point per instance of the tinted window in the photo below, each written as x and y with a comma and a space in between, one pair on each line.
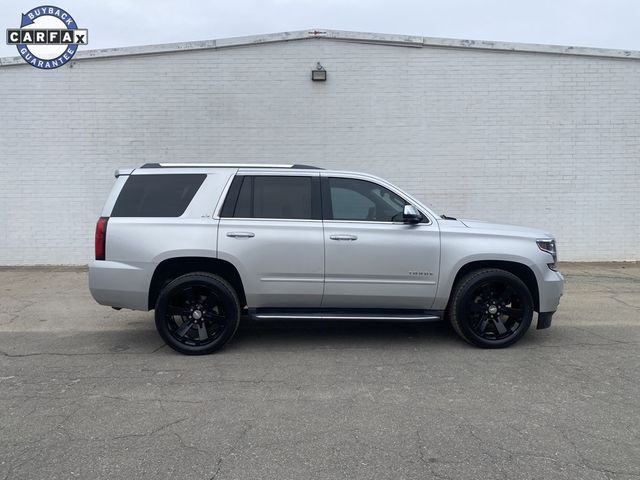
232, 196
360, 200
281, 197
157, 195
244, 207
271, 197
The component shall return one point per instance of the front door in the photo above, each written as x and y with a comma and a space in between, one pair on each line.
372, 258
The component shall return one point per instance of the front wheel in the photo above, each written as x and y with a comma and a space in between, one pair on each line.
491, 308
197, 313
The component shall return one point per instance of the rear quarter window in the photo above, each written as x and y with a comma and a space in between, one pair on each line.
157, 195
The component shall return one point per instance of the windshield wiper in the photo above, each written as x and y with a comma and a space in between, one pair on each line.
445, 217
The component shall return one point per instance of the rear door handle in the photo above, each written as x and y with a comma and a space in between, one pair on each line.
349, 238
241, 234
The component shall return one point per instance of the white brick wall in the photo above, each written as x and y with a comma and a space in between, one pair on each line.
545, 140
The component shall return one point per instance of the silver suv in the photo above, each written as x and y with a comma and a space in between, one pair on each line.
203, 244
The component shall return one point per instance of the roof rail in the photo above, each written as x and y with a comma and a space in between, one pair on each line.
227, 165
306, 167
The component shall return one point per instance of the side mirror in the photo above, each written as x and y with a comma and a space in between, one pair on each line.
411, 214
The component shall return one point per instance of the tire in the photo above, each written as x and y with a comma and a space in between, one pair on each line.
491, 308
197, 313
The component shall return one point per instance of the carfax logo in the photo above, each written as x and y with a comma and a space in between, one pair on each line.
48, 37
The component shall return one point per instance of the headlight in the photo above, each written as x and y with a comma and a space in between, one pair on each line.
549, 245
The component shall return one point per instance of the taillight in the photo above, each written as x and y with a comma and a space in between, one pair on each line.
101, 237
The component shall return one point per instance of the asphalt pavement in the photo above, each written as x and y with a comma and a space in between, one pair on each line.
87, 392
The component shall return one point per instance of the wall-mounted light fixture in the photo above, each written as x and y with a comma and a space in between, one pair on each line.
319, 74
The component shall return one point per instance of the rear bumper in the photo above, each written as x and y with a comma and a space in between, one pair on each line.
119, 285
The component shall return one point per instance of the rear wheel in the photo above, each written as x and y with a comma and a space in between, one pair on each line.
197, 313
491, 308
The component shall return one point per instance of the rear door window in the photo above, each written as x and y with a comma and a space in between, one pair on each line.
278, 197
282, 197
157, 195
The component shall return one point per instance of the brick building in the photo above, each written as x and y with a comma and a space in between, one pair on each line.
538, 135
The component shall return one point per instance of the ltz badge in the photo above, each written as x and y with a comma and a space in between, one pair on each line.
48, 37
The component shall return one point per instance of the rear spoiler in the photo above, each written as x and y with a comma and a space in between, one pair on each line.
123, 171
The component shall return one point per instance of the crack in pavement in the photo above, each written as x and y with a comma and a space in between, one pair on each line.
429, 463
298, 382
614, 297
232, 449
152, 432
612, 343
78, 354
584, 462
218, 466
613, 340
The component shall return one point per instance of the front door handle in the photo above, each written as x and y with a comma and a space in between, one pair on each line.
241, 234
349, 238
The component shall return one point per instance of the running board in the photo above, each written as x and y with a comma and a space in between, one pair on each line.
349, 316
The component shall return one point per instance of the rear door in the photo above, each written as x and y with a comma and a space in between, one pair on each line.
372, 258
271, 230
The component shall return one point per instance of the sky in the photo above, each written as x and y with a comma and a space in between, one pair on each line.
117, 23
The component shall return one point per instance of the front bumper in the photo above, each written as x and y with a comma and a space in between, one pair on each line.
544, 320
551, 288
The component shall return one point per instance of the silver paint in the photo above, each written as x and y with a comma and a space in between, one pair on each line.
311, 263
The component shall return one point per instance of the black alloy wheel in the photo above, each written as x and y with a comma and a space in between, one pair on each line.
197, 313
491, 308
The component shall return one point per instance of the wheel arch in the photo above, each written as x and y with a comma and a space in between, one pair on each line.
172, 268
520, 270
